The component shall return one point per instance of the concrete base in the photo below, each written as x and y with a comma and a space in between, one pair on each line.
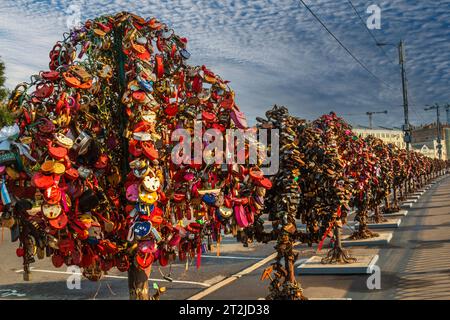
300, 227
383, 239
326, 299
406, 205
363, 265
401, 213
391, 223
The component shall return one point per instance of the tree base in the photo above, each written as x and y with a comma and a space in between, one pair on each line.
139, 294
288, 291
138, 283
338, 256
377, 219
363, 234
392, 209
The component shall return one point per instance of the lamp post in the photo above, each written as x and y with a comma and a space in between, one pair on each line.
438, 126
447, 111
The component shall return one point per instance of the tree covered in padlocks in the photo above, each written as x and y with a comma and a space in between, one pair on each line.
326, 171
89, 172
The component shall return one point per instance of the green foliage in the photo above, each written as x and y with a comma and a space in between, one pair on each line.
3, 91
6, 117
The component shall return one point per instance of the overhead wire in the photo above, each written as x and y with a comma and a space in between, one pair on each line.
377, 43
418, 115
345, 48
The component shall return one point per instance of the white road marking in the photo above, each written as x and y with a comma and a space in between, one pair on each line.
4, 293
215, 279
232, 257
120, 277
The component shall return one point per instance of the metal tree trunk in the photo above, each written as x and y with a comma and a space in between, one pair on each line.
138, 283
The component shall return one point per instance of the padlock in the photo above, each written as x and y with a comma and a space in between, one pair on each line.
105, 169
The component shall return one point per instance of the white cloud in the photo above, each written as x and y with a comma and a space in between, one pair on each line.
272, 51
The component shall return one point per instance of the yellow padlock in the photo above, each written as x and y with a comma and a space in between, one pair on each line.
12, 173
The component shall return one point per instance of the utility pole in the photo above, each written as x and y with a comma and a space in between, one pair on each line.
370, 120
438, 126
406, 126
439, 138
401, 58
447, 109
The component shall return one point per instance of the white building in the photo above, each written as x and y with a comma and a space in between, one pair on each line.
387, 135
430, 149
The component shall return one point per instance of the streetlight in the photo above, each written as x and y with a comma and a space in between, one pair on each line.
447, 111
438, 126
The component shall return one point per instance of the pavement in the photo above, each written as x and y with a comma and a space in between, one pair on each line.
415, 265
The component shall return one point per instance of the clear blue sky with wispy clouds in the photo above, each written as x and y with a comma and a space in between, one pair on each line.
272, 51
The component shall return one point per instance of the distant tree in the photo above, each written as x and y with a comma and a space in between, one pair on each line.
3, 91
5, 116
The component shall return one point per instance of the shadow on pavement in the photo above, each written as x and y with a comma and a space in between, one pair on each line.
424, 244
106, 288
57, 290
390, 281
429, 207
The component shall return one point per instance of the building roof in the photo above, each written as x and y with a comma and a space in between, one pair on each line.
358, 126
429, 144
431, 125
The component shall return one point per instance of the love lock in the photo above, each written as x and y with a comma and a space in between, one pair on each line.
101, 159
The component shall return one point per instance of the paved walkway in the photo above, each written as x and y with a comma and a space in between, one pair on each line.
415, 265
426, 273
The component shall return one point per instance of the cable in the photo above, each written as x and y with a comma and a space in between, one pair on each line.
418, 115
345, 48
414, 100
370, 32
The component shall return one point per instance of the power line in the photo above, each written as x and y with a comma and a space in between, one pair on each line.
413, 107
370, 32
345, 48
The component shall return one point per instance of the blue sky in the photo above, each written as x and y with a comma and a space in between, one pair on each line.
272, 51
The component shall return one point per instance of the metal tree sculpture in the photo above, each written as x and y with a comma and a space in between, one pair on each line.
325, 169
333, 195
282, 201
383, 179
